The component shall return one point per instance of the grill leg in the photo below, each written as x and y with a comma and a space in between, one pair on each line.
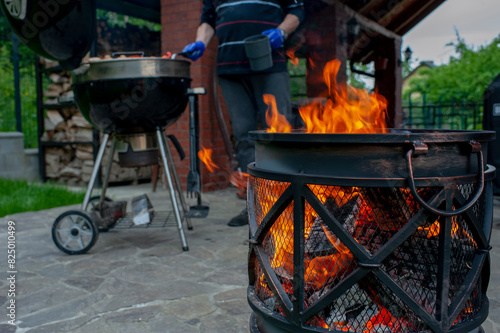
95, 171
177, 181
108, 170
173, 197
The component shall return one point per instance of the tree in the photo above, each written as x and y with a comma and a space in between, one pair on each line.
464, 78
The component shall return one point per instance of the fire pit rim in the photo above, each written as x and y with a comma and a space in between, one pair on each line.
313, 179
395, 136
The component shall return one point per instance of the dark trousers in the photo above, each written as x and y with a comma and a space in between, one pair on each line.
243, 95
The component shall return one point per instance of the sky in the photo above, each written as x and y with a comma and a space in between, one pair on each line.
477, 22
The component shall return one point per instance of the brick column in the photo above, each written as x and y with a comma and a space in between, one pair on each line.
180, 19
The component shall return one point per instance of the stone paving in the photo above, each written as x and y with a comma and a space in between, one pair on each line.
141, 281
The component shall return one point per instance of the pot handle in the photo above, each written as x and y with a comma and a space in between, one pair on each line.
421, 148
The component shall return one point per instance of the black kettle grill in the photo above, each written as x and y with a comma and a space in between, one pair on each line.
121, 97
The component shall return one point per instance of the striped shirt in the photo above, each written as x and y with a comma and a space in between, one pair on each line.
234, 21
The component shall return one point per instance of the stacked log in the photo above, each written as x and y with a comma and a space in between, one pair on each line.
68, 163
73, 163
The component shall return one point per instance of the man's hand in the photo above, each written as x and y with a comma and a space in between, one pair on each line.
276, 37
194, 50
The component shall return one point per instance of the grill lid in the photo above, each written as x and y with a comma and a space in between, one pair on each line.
59, 30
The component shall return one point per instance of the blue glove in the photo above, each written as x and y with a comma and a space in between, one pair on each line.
194, 50
276, 37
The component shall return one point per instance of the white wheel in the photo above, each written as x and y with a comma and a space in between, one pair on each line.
74, 232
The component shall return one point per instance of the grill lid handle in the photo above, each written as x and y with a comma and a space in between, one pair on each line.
419, 149
128, 54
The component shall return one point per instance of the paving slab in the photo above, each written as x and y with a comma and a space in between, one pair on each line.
141, 280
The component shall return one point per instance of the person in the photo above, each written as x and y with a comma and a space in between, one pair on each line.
243, 88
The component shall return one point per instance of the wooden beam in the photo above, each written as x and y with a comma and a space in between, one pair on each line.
392, 14
371, 31
370, 6
388, 79
369, 24
418, 12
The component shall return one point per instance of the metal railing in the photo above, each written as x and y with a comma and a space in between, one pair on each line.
460, 116
17, 87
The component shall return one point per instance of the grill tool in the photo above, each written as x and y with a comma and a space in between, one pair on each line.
193, 179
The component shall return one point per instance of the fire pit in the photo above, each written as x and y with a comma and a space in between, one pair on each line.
369, 232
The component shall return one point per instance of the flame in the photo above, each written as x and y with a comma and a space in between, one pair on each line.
237, 178
293, 59
432, 230
205, 156
276, 122
347, 110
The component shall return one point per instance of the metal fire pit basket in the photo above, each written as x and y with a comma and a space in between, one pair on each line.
370, 232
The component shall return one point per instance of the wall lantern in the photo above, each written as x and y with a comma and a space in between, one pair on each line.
407, 53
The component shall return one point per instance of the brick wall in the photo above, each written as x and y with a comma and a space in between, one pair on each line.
180, 19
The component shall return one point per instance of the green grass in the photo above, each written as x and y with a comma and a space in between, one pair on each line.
17, 196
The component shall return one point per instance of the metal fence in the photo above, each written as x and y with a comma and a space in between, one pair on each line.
460, 116
17, 87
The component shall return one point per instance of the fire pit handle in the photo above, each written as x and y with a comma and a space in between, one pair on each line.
420, 149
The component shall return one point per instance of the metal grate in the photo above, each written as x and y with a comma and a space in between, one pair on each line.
376, 218
160, 219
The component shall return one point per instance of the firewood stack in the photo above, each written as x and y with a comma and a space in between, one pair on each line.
63, 123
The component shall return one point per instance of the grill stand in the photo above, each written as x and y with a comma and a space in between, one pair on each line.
82, 222
169, 169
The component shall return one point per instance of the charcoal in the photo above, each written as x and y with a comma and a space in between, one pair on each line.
424, 296
321, 240
389, 206
363, 317
381, 328
317, 244
347, 307
382, 296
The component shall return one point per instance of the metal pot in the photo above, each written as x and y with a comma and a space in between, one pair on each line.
137, 150
58, 30
132, 95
